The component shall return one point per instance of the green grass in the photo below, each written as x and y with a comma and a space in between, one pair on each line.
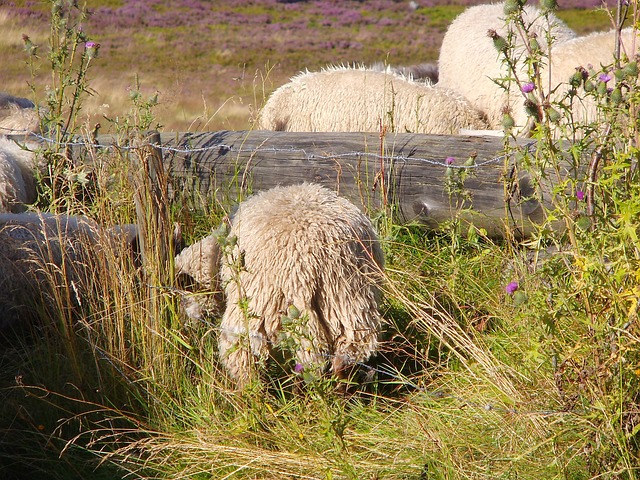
470, 383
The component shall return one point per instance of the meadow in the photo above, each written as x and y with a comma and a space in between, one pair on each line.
214, 63
503, 358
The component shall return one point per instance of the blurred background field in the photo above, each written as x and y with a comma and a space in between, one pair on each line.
214, 62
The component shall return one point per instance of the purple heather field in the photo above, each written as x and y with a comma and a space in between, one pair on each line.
220, 52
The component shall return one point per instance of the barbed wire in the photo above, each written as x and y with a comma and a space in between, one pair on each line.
291, 149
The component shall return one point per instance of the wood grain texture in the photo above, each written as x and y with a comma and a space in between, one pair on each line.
227, 166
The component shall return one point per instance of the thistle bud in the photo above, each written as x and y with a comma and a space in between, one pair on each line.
552, 114
601, 88
519, 298
616, 95
498, 42
471, 161
576, 79
548, 5
631, 69
533, 43
507, 121
511, 7
30, 47
56, 7
619, 73
293, 312
589, 86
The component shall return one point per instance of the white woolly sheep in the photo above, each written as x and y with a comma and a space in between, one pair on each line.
17, 176
343, 99
17, 115
39, 251
425, 72
469, 61
595, 49
201, 263
301, 246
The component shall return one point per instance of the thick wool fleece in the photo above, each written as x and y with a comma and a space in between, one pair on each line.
595, 49
17, 176
40, 252
343, 99
303, 246
469, 62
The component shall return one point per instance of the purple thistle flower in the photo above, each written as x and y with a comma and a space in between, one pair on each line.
511, 288
298, 368
450, 160
528, 87
604, 77
580, 195
92, 49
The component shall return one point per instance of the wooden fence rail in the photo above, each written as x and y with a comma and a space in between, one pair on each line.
406, 171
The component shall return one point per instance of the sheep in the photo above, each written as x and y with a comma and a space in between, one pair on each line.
300, 248
17, 115
425, 72
40, 252
469, 62
17, 176
360, 100
596, 49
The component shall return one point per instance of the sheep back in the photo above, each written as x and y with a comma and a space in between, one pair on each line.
304, 246
17, 115
469, 62
40, 252
345, 99
17, 176
596, 49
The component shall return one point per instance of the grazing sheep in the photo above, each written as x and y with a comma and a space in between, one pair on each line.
425, 72
200, 262
17, 115
40, 252
359, 100
300, 246
469, 61
17, 176
595, 49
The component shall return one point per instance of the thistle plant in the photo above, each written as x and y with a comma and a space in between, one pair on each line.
69, 56
586, 176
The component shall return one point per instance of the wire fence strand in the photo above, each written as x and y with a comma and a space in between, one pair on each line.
226, 148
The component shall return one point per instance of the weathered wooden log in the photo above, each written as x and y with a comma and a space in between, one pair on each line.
405, 172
